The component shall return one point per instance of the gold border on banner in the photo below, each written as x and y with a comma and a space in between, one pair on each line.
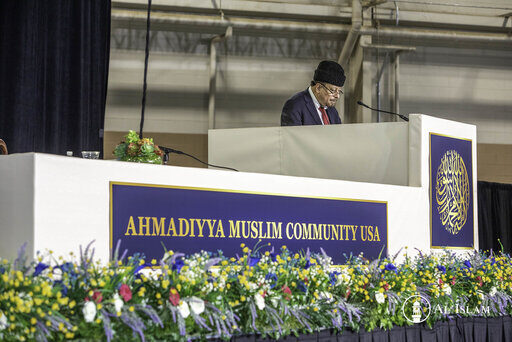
112, 183
430, 190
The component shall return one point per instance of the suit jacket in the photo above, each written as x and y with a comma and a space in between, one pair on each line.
300, 110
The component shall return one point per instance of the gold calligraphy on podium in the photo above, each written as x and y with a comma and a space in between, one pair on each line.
452, 192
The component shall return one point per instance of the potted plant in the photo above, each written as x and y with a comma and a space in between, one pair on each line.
135, 149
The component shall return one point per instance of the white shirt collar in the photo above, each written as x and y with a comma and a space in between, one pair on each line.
315, 101
317, 105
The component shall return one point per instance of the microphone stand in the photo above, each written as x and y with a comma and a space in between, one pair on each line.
403, 117
168, 150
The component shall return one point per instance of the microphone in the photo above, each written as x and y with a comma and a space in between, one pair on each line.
403, 117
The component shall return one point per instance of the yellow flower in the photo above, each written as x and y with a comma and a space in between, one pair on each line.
245, 250
132, 309
33, 321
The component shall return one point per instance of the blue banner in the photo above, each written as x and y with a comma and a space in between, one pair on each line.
147, 217
451, 192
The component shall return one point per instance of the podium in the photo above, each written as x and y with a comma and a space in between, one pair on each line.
371, 157
59, 203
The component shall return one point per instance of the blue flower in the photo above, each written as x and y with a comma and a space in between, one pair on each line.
302, 287
391, 267
467, 264
493, 261
67, 267
333, 277
64, 288
178, 265
441, 268
308, 264
273, 277
40, 268
2, 270
253, 261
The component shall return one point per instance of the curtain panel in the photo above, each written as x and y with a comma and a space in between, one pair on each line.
53, 74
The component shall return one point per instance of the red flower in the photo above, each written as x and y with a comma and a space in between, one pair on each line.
97, 296
386, 286
287, 292
480, 282
453, 281
125, 292
174, 297
347, 294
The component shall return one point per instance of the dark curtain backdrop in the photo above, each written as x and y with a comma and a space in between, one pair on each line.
495, 216
53, 74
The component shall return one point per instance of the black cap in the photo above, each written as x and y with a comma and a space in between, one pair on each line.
330, 72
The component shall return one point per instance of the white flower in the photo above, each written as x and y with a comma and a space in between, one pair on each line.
89, 311
57, 274
118, 302
3, 321
275, 302
327, 296
447, 289
260, 301
184, 309
379, 297
197, 305
493, 291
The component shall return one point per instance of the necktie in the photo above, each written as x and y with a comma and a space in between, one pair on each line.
325, 118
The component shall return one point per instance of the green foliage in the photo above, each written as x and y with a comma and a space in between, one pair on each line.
137, 150
207, 295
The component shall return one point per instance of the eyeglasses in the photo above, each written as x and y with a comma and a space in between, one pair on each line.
332, 92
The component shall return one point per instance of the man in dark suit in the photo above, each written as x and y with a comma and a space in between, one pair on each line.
315, 105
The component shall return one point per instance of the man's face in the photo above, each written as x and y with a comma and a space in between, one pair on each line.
327, 94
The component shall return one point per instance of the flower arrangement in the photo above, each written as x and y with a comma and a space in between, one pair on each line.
138, 150
207, 295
